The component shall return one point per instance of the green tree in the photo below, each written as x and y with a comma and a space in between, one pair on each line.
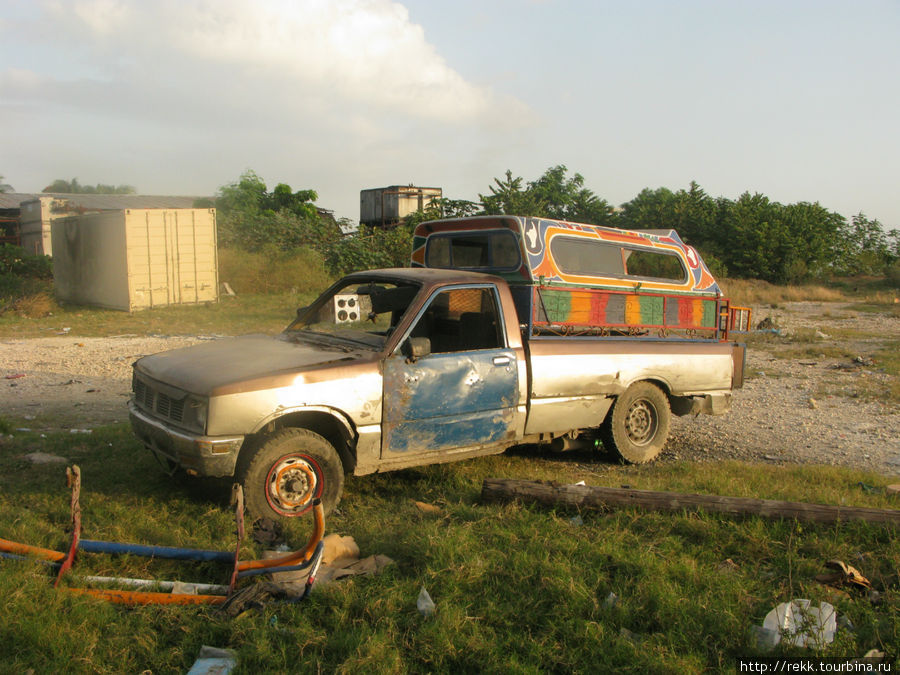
509, 197
865, 247
74, 187
567, 199
553, 195
456, 208
252, 218
5, 187
649, 210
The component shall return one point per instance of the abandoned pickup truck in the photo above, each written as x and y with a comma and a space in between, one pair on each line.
505, 331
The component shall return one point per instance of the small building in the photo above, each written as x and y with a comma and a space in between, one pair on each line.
387, 206
136, 258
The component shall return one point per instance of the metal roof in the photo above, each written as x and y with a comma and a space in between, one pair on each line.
14, 200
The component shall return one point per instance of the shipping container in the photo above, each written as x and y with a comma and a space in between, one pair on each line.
136, 258
380, 207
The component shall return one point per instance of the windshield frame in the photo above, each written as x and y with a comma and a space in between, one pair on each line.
300, 326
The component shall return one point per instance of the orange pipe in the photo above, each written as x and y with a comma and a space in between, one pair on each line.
26, 549
297, 556
148, 597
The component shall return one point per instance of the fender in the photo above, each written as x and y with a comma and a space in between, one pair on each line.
339, 415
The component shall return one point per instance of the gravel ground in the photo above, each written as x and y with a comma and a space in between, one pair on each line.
790, 410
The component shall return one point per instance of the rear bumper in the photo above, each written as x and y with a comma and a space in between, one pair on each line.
198, 455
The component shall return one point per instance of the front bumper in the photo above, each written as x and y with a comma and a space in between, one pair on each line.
198, 455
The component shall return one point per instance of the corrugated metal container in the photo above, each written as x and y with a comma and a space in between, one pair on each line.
136, 258
388, 205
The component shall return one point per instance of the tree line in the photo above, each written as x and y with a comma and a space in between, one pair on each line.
750, 237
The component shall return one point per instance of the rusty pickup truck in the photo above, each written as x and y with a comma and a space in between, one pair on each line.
505, 331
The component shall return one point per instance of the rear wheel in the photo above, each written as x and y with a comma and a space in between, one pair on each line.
290, 469
638, 425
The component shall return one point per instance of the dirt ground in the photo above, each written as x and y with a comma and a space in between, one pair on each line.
814, 409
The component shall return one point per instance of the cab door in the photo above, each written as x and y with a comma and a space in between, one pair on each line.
463, 390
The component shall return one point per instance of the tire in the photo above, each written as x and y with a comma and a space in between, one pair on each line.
283, 475
638, 425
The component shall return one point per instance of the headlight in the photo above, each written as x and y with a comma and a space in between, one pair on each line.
196, 411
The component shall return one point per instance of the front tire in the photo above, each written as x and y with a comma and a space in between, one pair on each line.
290, 469
638, 425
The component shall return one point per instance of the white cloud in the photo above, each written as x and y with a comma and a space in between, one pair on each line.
331, 53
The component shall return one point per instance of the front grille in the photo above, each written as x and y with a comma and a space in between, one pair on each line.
157, 402
169, 407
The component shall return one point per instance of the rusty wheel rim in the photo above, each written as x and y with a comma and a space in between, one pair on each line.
292, 483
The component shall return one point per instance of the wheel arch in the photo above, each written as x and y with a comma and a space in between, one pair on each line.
330, 424
656, 381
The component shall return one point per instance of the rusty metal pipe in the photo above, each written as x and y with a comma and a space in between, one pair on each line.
297, 556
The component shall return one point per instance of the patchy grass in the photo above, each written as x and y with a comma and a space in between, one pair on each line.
230, 316
756, 292
517, 588
890, 308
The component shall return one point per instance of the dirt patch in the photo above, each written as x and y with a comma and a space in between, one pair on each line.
806, 399
68, 383
810, 395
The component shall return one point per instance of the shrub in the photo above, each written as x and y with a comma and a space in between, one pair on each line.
21, 276
370, 248
271, 270
892, 272
14, 260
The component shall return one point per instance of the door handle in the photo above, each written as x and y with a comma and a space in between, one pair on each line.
501, 361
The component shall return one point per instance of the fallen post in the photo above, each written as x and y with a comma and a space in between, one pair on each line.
584, 496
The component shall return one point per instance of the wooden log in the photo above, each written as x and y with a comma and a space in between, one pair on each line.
583, 496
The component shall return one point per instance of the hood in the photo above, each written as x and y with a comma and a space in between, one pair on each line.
204, 367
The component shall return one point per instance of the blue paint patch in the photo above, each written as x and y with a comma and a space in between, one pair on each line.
446, 401
435, 433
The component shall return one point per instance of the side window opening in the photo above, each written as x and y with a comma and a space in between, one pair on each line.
497, 250
459, 320
592, 258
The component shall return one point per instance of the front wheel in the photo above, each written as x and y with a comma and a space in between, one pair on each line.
289, 470
638, 425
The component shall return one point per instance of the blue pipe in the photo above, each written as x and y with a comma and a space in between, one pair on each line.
93, 546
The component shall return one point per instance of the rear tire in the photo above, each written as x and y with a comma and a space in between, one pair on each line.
284, 474
637, 427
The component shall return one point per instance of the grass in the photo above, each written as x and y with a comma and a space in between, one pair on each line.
756, 292
517, 588
230, 316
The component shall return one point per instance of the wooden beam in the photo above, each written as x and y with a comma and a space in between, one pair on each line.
583, 496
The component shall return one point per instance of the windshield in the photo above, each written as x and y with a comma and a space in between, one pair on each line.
364, 311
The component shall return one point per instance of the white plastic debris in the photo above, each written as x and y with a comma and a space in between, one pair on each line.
214, 661
424, 603
801, 624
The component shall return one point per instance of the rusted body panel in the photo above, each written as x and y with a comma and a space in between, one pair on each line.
450, 401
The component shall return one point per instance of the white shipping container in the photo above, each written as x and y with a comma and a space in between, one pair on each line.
136, 258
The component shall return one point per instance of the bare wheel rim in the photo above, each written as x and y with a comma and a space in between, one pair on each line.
292, 483
641, 422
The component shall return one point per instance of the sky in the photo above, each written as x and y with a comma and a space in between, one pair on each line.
798, 100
